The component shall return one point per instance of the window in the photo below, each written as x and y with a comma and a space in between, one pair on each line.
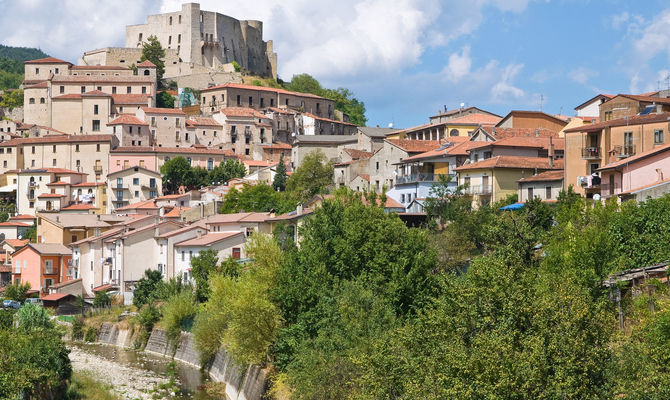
547, 192
97, 147
144, 88
170, 21
186, 136
83, 89
78, 163
136, 181
251, 101
130, 129
239, 101
262, 102
152, 182
54, 162
113, 89
62, 89
658, 136
210, 164
377, 165
246, 152
128, 89
100, 88
119, 194
188, 159
56, 70
76, 147
402, 198
179, 36
31, 100
530, 193
170, 37
152, 194
119, 182
142, 161
95, 109
118, 163
48, 267
183, 255
48, 282
96, 125
139, 39
37, 71
180, 21
237, 254
608, 115
272, 102
137, 193
32, 150
32, 163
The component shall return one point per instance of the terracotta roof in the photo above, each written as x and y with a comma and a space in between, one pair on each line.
103, 288
260, 88
131, 99
127, 120
96, 93
89, 184
524, 141
242, 112
180, 230
390, 203
47, 60
146, 63
41, 85
50, 195
66, 283
23, 216
100, 67
632, 120
78, 207
171, 196
281, 111
143, 205
365, 176
357, 154
532, 113
176, 212
16, 243
209, 239
415, 146
202, 121
462, 149
103, 78
58, 183
237, 217
546, 176
278, 146
55, 296
446, 150
67, 96
635, 158
58, 139
474, 118
644, 98
103, 235
48, 248
15, 223
500, 133
177, 150
156, 110
327, 119
514, 162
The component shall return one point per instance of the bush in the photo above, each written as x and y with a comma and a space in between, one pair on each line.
91, 334
6, 318
33, 317
101, 299
77, 328
148, 316
237, 66
178, 313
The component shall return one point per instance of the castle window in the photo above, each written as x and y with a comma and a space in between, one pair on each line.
37, 71
139, 39
170, 20
144, 88
170, 37
62, 89
128, 89
179, 36
113, 89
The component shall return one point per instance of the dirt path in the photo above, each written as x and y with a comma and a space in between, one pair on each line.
128, 382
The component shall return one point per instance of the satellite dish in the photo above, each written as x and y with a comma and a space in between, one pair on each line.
20, 236
462, 105
596, 197
390, 124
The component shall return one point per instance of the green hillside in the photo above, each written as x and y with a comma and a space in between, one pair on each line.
11, 64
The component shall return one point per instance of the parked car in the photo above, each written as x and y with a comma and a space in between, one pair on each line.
33, 300
11, 304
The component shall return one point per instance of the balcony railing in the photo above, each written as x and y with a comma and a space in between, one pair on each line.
97, 169
417, 178
591, 153
479, 190
626, 150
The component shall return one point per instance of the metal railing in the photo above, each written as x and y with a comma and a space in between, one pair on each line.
626, 150
479, 190
591, 153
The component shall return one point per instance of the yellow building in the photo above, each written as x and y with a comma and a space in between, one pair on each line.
66, 228
458, 126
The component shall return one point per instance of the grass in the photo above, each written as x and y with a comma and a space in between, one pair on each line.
66, 318
83, 386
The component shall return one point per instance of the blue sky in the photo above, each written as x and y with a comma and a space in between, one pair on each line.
408, 58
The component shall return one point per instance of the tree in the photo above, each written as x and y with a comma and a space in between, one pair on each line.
255, 198
279, 182
176, 172
314, 176
101, 299
154, 52
202, 266
145, 290
11, 99
165, 100
31, 317
225, 171
17, 291
305, 83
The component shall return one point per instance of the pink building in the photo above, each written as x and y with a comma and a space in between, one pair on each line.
646, 174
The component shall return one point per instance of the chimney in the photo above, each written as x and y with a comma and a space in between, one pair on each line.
57, 218
298, 209
98, 217
551, 152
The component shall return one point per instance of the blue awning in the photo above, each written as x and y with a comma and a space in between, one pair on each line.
514, 206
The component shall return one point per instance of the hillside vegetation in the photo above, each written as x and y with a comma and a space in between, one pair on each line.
11, 64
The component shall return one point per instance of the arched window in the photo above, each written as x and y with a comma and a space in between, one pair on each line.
453, 132
146, 72
32, 100
48, 205
42, 100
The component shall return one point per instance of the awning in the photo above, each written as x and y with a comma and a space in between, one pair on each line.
511, 207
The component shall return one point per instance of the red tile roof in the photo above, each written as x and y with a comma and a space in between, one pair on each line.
58, 183
500, 133
15, 223
209, 239
67, 96
89, 184
55, 296
546, 176
514, 162
156, 110
176, 212
637, 157
278, 146
474, 118
202, 121
23, 216
100, 67
133, 99
242, 112
260, 88
78, 207
357, 154
50, 195
365, 176
41, 85
47, 60
96, 93
58, 139
415, 146
127, 120
525, 141
171, 196
143, 205
632, 120
146, 63
15, 243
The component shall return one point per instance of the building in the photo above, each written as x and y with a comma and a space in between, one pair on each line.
79, 100
329, 145
372, 138
446, 115
66, 228
644, 175
382, 164
531, 120
244, 129
208, 39
590, 147
225, 244
628, 105
42, 265
591, 108
132, 185
457, 126
152, 158
546, 186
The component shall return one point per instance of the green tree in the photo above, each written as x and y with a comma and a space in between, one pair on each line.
178, 313
101, 299
255, 198
31, 317
165, 100
305, 83
202, 266
346, 102
279, 182
17, 291
154, 52
12, 99
314, 176
225, 171
146, 288
176, 172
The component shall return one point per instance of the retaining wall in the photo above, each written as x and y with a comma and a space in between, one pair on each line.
242, 383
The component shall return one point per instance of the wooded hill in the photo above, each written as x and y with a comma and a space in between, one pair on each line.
11, 64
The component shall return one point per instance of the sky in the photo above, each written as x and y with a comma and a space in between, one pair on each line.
407, 59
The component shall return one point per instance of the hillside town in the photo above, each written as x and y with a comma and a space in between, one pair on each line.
91, 174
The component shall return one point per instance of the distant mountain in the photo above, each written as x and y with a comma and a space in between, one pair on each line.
11, 64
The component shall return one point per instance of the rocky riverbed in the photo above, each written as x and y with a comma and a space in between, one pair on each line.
129, 381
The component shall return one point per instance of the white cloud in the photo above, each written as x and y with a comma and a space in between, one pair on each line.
619, 19
655, 38
504, 90
68, 28
582, 75
459, 64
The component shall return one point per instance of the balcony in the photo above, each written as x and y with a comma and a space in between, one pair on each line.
589, 182
426, 177
479, 190
97, 169
591, 153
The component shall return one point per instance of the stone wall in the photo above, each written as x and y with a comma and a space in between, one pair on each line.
204, 80
200, 211
242, 383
